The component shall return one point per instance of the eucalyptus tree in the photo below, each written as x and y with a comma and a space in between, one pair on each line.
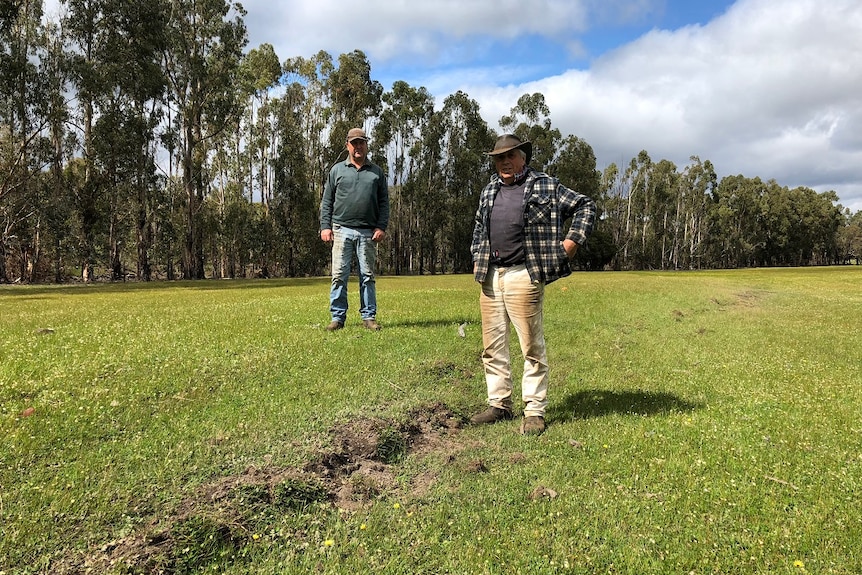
814, 221
305, 155
398, 146
660, 231
777, 225
54, 68
22, 118
305, 81
202, 59
530, 120
736, 223
115, 57
649, 212
127, 57
613, 204
637, 207
465, 170
9, 13
228, 219
576, 169
83, 28
405, 113
241, 171
353, 97
826, 228
296, 244
260, 72
690, 226
849, 238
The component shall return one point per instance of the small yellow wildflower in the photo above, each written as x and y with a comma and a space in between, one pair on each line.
362, 527
799, 564
329, 543
256, 536
396, 506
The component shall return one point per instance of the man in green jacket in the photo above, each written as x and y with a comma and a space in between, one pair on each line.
354, 213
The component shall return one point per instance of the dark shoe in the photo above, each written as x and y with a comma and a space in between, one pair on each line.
335, 325
491, 415
533, 425
371, 324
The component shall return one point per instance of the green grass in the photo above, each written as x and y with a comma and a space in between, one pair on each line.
704, 422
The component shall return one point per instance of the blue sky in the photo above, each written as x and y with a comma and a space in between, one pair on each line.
762, 88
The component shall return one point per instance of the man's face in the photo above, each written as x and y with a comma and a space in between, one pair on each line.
358, 149
509, 164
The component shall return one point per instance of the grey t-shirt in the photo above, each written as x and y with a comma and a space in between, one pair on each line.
506, 226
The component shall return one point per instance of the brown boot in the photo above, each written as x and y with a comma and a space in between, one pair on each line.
491, 415
335, 325
371, 324
533, 425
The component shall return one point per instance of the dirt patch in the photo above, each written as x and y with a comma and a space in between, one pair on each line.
220, 517
748, 298
359, 466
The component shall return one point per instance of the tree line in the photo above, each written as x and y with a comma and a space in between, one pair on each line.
143, 139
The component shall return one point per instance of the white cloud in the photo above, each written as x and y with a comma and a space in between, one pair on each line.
388, 29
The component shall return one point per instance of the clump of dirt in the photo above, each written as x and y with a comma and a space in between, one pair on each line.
358, 468
219, 518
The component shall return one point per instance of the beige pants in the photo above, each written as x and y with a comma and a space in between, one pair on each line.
510, 297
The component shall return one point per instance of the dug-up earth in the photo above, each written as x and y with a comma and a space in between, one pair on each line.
357, 468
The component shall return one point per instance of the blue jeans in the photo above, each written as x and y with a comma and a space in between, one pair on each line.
345, 243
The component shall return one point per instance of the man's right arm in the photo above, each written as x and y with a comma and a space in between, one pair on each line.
326, 203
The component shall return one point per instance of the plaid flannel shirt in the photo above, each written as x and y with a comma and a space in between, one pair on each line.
547, 205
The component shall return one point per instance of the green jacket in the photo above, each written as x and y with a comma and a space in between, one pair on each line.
355, 198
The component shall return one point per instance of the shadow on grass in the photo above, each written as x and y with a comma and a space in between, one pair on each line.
455, 323
34, 290
600, 403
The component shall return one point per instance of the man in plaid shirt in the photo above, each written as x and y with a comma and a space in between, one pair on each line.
519, 246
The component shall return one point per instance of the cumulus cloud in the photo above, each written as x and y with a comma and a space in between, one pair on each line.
398, 29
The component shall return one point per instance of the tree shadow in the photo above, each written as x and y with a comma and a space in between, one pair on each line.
593, 403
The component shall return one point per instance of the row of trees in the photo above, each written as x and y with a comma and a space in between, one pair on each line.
143, 139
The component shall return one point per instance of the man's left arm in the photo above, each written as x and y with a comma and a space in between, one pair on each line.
382, 208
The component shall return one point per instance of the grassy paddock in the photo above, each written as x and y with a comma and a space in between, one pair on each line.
702, 422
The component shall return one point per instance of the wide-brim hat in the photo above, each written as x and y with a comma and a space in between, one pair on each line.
508, 142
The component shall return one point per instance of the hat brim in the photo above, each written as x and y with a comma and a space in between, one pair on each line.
526, 146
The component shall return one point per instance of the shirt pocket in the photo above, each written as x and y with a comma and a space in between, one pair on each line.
539, 210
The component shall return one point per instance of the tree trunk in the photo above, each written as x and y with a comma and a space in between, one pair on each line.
4, 275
